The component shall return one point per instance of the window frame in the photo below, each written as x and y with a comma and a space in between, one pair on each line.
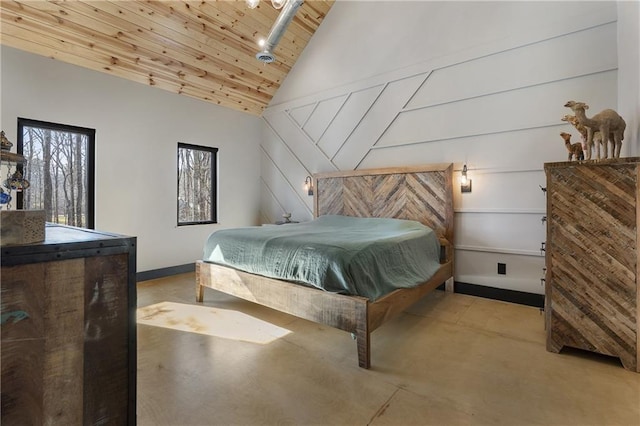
91, 159
214, 183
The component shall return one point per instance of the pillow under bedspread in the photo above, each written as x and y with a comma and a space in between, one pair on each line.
369, 257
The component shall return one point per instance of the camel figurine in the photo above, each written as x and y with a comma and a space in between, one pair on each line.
573, 120
575, 149
610, 125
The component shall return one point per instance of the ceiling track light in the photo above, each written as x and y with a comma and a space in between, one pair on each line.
277, 4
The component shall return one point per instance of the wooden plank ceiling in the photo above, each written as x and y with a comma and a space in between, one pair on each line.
202, 49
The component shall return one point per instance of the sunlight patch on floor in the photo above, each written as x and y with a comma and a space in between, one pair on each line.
224, 323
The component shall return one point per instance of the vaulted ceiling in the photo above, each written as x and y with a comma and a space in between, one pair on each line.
202, 49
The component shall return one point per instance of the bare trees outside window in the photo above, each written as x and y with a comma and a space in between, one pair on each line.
196, 184
60, 167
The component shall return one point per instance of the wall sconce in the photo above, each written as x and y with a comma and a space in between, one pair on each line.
308, 185
465, 182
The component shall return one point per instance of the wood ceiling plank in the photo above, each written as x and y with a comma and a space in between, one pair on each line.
174, 46
214, 18
252, 21
22, 38
263, 17
132, 75
193, 33
260, 20
95, 39
202, 49
122, 53
141, 47
311, 15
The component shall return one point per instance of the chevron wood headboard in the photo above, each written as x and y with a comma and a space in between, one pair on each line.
421, 193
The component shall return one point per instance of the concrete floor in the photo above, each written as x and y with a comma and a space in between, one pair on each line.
449, 360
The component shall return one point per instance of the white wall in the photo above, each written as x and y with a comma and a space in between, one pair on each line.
137, 131
629, 71
482, 83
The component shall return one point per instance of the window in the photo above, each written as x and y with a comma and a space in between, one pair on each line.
60, 166
197, 180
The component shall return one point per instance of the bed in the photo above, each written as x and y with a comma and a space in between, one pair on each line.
422, 194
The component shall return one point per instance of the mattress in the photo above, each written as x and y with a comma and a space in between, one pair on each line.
368, 257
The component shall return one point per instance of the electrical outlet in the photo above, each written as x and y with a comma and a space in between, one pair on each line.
502, 268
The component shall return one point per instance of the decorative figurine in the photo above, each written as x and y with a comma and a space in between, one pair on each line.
610, 125
16, 182
572, 119
597, 138
4, 142
5, 198
575, 149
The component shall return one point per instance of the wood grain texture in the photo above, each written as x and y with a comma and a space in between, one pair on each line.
22, 302
391, 305
336, 310
64, 344
201, 49
423, 194
21, 226
592, 258
105, 326
418, 193
22, 343
11, 157
67, 338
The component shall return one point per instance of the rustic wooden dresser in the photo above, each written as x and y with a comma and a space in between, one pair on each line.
592, 296
68, 329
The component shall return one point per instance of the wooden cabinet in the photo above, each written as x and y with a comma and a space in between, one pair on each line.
592, 297
68, 329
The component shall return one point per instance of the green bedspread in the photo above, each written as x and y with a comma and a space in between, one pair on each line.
368, 257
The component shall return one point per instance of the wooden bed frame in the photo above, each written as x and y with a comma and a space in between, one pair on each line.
417, 193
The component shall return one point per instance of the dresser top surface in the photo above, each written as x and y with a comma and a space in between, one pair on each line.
626, 161
60, 234
63, 242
